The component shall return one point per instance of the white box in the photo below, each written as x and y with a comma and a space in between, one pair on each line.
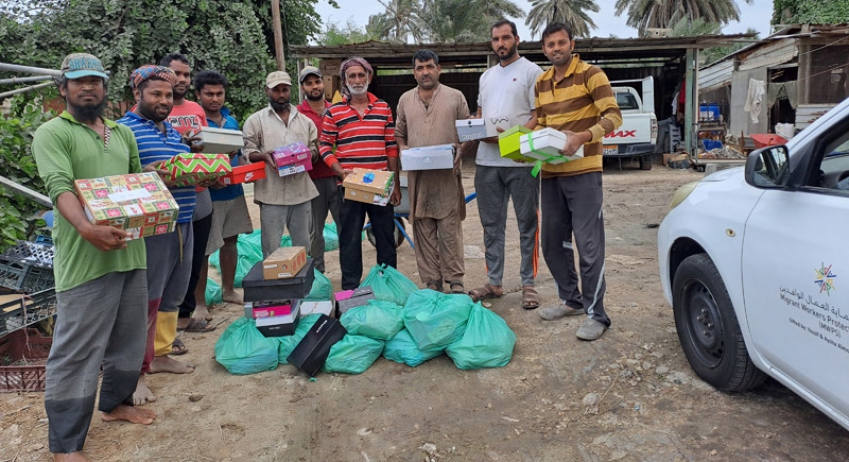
548, 141
471, 129
221, 141
428, 158
308, 307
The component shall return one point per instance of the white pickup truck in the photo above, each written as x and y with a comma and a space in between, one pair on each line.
638, 134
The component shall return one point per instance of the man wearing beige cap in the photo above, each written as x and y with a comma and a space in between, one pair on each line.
284, 202
324, 179
101, 288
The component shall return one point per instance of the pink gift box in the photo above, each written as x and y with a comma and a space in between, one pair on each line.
292, 154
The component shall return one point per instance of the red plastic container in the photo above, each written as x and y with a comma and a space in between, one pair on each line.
763, 140
26, 350
245, 173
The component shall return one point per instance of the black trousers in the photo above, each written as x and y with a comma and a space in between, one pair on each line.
201, 230
352, 218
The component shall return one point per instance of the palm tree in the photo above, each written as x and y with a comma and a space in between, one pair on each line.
401, 17
572, 12
462, 21
644, 14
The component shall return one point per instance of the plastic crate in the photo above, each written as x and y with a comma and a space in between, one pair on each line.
27, 267
24, 310
23, 355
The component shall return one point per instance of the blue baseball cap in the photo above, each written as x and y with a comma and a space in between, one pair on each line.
78, 65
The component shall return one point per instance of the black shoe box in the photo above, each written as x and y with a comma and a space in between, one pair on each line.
311, 353
258, 289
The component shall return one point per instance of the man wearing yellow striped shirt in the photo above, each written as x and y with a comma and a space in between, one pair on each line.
576, 98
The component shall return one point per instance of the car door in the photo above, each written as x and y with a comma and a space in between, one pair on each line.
795, 267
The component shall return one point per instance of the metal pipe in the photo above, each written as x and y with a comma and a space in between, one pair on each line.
29, 70
36, 78
25, 89
26, 192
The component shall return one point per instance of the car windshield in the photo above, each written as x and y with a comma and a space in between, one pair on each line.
626, 101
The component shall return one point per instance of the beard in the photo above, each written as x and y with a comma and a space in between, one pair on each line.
88, 112
317, 97
354, 91
510, 53
278, 105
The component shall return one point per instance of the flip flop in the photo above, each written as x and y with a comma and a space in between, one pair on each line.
178, 348
485, 292
198, 325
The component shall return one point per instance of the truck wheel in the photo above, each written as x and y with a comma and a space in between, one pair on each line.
646, 162
708, 328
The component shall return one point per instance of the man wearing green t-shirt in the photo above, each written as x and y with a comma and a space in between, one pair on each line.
101, 284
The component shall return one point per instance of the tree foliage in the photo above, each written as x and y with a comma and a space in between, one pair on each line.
810, 12
573, 12
644, 14
696, 27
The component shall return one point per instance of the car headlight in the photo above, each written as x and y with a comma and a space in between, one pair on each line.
682, 193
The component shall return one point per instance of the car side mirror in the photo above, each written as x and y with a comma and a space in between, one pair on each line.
768, 168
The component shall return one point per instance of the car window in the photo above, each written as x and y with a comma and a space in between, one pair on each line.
834, 166
626, 101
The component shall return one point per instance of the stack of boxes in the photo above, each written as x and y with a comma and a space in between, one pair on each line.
274, 288
369, 186
293, 158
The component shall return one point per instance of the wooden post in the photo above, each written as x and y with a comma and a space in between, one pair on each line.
278, 35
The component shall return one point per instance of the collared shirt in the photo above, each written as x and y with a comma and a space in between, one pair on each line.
582, 100
66, 150
265, 131
365, 141
319, 168
433, 193
234, 190
155, 146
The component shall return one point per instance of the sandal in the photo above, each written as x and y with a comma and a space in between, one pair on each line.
530, 298
485, 292
198, 325
434, 285
457, 287
178, 348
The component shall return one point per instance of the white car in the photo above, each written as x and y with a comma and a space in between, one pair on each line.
755, 263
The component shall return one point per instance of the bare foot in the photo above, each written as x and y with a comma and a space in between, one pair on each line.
130, 414
234, 298
166, 364
142, 394
201, 312
72, 457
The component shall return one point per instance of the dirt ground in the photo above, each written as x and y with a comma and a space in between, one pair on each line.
630, 396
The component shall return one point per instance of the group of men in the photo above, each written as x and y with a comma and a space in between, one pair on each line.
104, 278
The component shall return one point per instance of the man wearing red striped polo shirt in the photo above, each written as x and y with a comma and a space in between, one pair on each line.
362, 128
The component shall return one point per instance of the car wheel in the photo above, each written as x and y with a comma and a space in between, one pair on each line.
646, 162
399, 237
708, 329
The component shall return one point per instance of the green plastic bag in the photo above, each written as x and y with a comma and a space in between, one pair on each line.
213, 293
243, 350
321, 289
487, 342
249, 247
353, 354
388, 284
402, 349
377, 319
331, 237
287, 343
436, 320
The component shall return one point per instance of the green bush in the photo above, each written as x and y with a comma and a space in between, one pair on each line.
18, 218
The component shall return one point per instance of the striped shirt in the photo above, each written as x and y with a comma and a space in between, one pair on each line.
361, 142
582, 100
155, 146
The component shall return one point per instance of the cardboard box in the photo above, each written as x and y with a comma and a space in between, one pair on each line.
474, 129
284, 262
220, 140
307, 307
138, 202
293, 158
438, 157
245, 174
347, 299
374, 181
545, 145
190, 169
278, 326
509, 144
367, 197
311, 353
256, 288
265, 309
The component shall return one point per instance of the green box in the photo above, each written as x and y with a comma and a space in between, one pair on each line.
508, 143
